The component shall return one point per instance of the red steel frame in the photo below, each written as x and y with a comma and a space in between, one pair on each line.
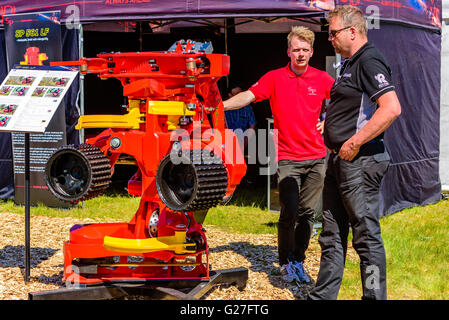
148, 145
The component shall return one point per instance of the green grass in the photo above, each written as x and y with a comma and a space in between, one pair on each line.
245, 213
416, 240
417, 248
234, 219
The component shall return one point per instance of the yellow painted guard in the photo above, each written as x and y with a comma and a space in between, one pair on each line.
112, 265
169, 108
174, 243
173, 109
131, 120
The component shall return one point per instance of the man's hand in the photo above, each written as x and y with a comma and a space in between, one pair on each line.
349, 150
320, 126
388, 110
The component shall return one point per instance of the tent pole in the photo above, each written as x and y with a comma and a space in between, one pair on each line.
81, 55
140, 36
226, 48
338, 63
226, 35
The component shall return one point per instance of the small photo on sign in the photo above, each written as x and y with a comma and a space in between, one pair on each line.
5, 90
53, 92
19, 91
20, 81
8, 108
54, 82
39, 92
4, 121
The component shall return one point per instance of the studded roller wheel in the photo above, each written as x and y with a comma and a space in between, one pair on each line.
78, 172
192, 182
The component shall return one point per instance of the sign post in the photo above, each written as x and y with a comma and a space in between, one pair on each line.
27, 209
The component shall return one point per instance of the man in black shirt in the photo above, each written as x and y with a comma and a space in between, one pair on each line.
363, 105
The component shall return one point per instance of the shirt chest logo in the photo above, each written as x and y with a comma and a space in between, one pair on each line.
342, 76
311, 91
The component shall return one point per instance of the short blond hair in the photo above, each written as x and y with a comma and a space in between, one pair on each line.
303, 33
350, 16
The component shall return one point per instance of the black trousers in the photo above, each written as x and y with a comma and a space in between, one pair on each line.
351, 199
300, 186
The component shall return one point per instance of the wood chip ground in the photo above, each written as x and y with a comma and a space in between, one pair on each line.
258, 253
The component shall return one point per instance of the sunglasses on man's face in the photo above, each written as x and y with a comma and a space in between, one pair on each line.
333, 33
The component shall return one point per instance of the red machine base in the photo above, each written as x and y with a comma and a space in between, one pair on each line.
88, 261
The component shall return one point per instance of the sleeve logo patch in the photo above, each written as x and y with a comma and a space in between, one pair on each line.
381, 79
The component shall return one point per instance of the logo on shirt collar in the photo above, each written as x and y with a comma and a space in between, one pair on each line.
380, 77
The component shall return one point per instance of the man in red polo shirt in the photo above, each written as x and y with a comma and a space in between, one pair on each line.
296, 94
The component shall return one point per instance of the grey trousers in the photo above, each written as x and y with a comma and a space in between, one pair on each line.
300, 186
351, 199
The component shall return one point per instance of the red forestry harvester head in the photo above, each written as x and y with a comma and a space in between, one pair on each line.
174, 130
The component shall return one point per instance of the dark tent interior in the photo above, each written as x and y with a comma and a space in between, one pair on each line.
252, 55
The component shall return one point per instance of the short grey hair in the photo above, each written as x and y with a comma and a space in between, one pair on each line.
350, 16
